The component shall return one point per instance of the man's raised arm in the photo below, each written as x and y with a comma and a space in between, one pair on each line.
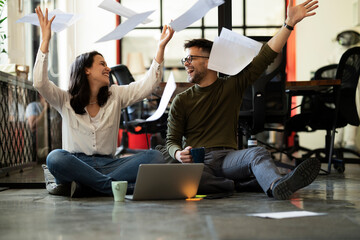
295, 15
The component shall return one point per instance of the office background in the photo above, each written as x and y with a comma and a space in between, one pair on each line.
314, 38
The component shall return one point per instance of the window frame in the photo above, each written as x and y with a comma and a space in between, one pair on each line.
224, 20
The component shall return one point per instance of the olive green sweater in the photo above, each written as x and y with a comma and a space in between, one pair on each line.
208, 117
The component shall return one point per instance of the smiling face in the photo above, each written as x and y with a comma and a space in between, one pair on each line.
98, 73
197, 69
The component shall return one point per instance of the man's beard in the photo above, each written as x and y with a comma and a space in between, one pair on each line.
198, 76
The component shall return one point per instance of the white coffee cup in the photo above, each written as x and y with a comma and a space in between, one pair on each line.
119, 190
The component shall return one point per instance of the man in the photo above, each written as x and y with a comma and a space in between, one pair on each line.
35, 115
206, 115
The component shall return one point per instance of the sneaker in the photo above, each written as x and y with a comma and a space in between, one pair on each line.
51, 186
47, 174
300, 177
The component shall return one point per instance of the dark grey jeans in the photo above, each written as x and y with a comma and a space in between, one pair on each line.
225, 167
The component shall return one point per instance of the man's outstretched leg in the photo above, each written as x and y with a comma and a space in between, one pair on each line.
242, 164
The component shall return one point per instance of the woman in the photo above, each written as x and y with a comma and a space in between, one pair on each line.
90, 112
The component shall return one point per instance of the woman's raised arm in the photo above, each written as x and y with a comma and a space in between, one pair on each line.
45, 25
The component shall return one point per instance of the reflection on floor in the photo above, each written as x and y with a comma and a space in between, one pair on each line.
34, 214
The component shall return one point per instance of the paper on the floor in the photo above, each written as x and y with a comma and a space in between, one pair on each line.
125, 27
196, 12
232, 52
118, 9
61, 21
291, 214
165, 98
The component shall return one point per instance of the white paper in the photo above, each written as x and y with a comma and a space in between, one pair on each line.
61, 21
281, 215
232, 52
235, 37
166, 96
125, 27
118, 9
196, 12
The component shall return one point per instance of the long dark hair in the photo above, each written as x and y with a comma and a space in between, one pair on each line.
79, 88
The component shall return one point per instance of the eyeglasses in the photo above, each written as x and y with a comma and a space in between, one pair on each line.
189, 59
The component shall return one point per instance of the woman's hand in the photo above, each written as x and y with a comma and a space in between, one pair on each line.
45, 25
165, 37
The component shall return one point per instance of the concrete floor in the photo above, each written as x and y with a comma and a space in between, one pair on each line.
34, 214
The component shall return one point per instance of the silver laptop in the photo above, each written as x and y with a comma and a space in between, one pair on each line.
167, 181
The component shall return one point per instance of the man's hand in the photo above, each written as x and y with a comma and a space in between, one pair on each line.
301, 11
184, 156
295, 15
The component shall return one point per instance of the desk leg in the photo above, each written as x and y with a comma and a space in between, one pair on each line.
331, 149
337, 99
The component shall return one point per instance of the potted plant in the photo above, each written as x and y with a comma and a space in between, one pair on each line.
3, 36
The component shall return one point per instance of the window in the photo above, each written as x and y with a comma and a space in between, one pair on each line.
247, 18
251, 20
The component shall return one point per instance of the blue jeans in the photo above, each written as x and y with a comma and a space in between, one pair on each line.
97, 171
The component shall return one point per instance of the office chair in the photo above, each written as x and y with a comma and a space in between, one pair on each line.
265, 108
297, 123
264, 102
331, 109
133, 117
326, 72
329, 72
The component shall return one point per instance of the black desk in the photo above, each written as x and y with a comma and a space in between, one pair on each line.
313, 85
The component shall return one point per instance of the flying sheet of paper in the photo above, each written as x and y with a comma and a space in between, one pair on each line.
118, 9
291, 214
196, 12
232, 52
166, 96
61, 21
125, 27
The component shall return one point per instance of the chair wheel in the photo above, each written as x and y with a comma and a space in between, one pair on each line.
340, 167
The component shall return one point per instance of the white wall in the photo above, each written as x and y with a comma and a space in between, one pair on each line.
315, 35
81, 37
16, 35
315, 45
